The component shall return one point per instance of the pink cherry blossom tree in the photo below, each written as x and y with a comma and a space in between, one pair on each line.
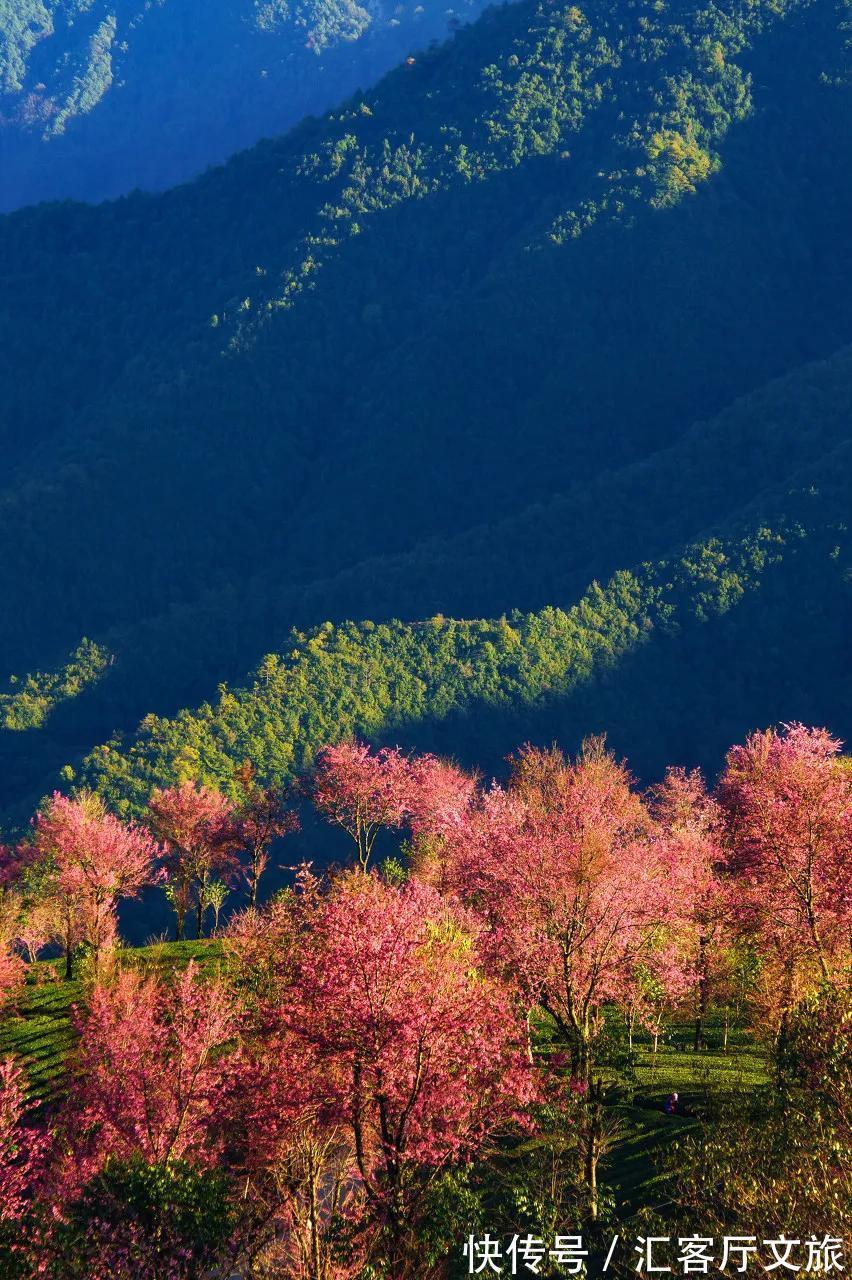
200, 833
262, 817
566, 871
11, 976
657, 986
397, 1044
787, 798
691, 825
24, 1153
362, 791
95, 860
14, 921
149, 1071
573, 883
11, 963
439, 797
37, 927
14, 860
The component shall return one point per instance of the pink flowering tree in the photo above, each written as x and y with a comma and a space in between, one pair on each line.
362, 791
12, 968
24, 1149
262, 817
691, 826
149, 1069
37, 927
787, 799
14, 922
11, 977
200, 834
659, 983
440, 796
11, 964
138, 1190
400, 1048
95, 861
298, 1164
566, 872
14, 861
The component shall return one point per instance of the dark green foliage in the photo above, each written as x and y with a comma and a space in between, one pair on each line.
756, 1160
31, 699
98, 97
159, 1214
398, 397
461, 684
453, 1208
503, 326
675, 660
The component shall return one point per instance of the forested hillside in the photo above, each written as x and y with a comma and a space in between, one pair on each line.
98, 97
674, 655
566, 299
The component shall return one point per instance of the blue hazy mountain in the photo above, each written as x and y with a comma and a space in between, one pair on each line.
100, 96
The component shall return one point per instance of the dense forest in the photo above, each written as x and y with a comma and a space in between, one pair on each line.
561, 302
603, 665
98, 97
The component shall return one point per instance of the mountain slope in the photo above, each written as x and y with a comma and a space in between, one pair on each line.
762, 490
680, 654
450, 362
738, 466
98, 97
565, 295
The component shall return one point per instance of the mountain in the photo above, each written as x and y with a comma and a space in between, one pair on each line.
98, 97
563, 299
675, 657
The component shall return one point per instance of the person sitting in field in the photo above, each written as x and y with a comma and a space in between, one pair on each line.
670, 1105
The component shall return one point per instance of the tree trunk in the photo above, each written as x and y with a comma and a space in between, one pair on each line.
782, 1038
592, 1177
316, 1257
69, 963
592, 1148
581, 1064
784, 1025
701, 1015
823, 965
